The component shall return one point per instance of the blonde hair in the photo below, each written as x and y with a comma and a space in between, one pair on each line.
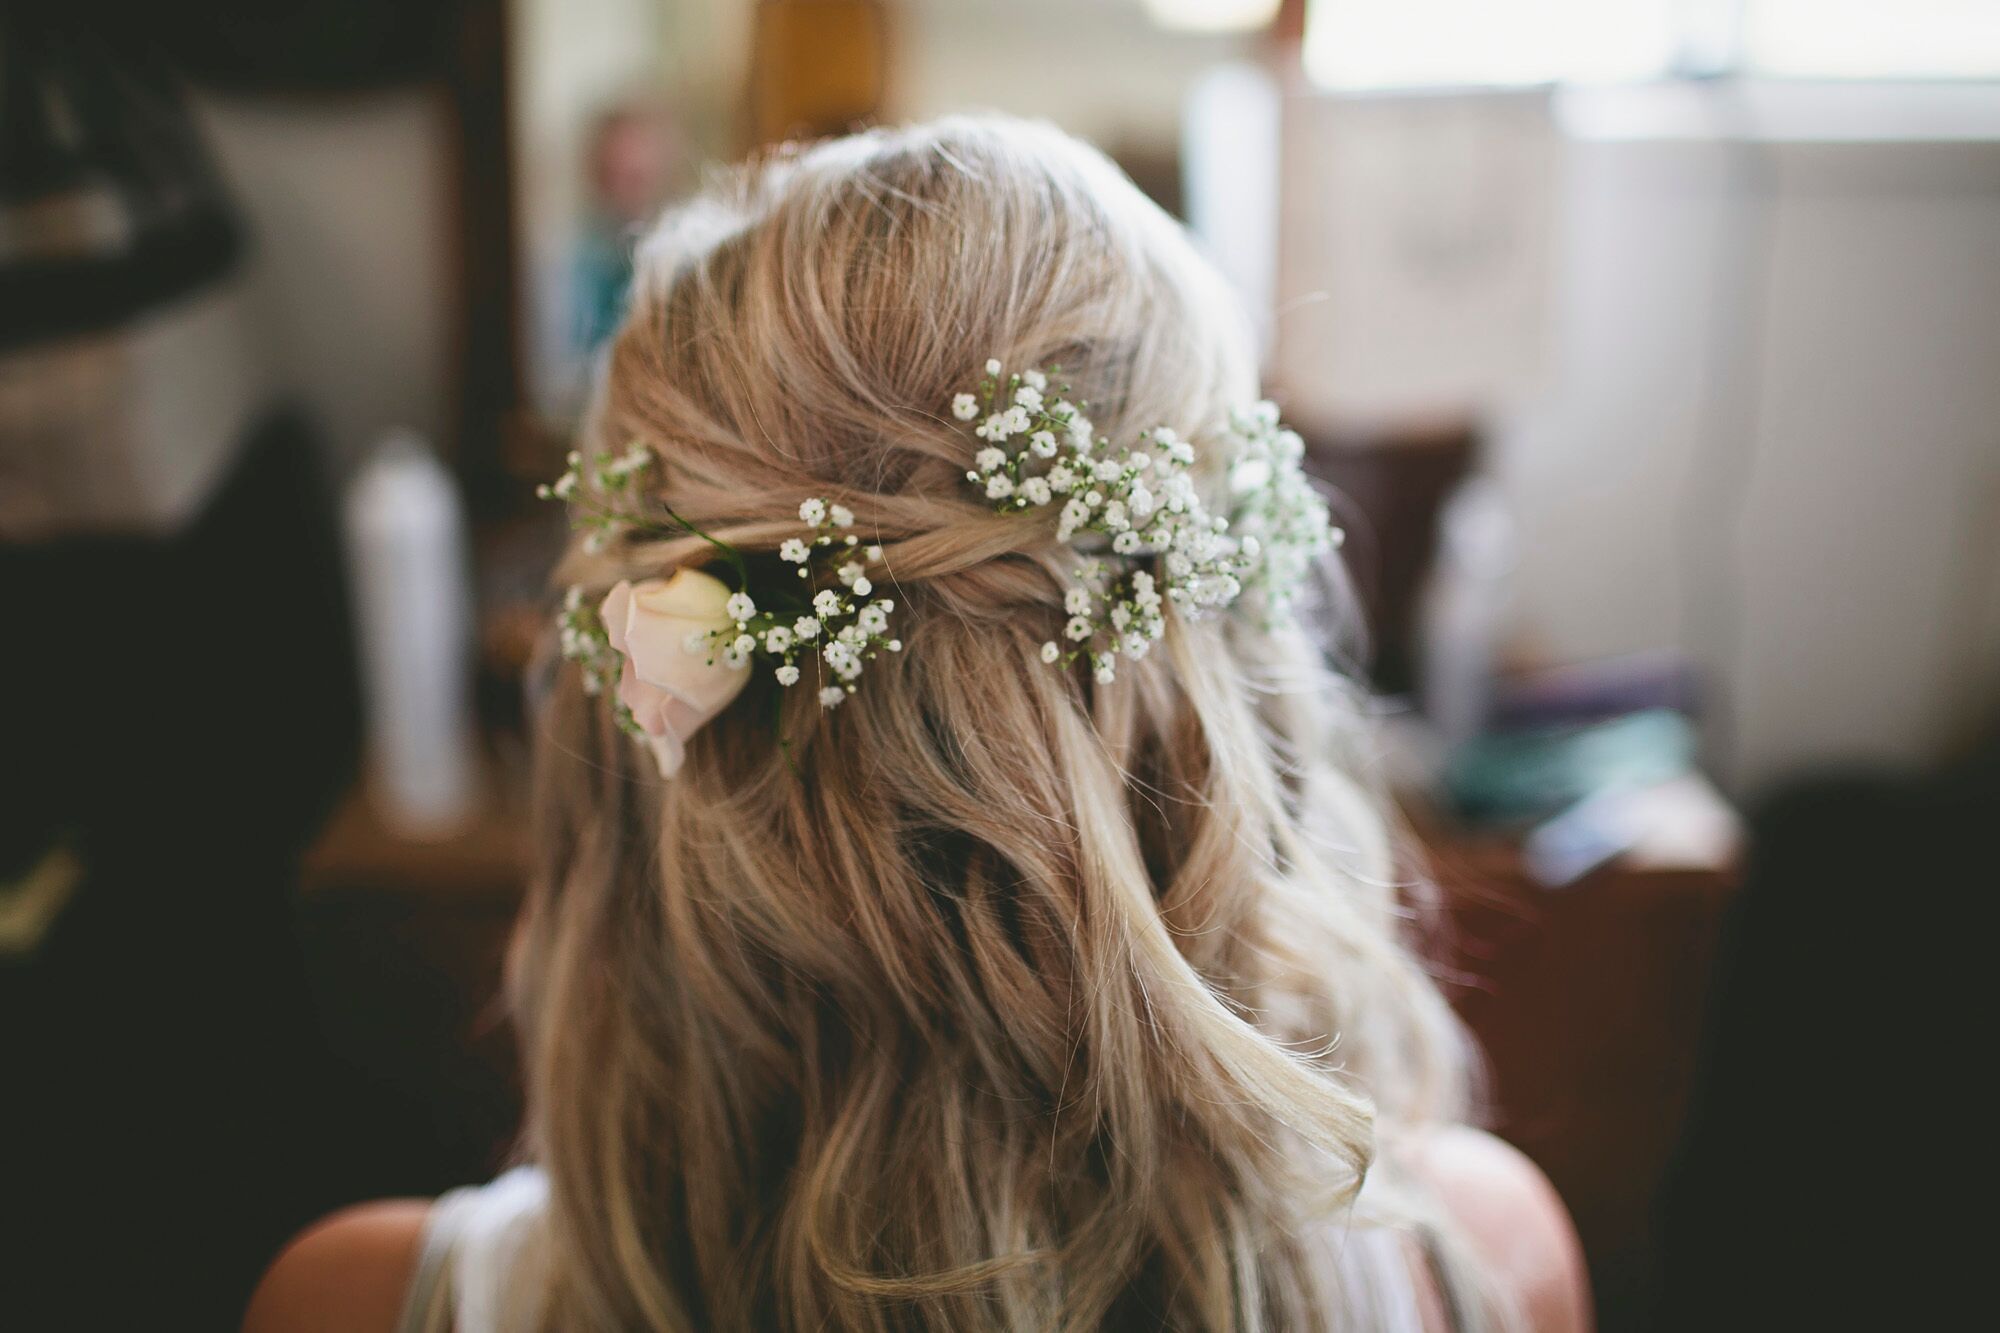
994, 998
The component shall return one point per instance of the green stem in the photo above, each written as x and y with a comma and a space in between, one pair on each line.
729, 553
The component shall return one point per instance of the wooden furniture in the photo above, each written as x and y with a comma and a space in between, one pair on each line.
1590, 1002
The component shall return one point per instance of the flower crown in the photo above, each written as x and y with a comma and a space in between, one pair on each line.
676, 651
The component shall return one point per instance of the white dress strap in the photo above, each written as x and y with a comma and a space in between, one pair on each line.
482, 1266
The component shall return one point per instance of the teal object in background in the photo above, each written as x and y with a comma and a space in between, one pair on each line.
1519, 777
601, 277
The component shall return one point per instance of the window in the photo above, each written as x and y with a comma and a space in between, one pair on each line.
1379, 44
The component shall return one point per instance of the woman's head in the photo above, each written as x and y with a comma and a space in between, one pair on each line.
996, 997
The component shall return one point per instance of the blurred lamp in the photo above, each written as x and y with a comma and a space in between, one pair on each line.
1213, 15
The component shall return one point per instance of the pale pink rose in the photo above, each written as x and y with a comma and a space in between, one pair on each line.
672, 692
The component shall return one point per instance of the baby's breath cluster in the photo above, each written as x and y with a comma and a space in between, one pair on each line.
1041, 451
599, 494
584, 643
842, 628
1277, 515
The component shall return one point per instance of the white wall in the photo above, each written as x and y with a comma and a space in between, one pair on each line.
348, 201
1775, 436
1101, 69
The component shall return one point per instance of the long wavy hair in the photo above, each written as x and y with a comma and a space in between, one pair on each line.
994, 999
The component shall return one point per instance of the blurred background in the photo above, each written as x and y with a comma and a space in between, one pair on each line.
1652, 348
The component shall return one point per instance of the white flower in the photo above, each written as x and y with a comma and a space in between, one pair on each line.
1105, 674
806, 627
990, 459
831, 696
849, 573
734, 658
1139, 459
895, 645
1077, 601
1028, 396
740, 607
813, 512
1061, 479
993, 366
1080, 430
1043, 443
873, 552
999, 487
1120, 617
1135, 645
993, 428
788, 674
862, 587
846, 663
1050, 652
1036, 489
745, 643
1181, 452
1108, 470
853, 636
965, 407
1034, 379
873, 619
1074, 515
777, 639
795, 551
1079, 628
1126, 543
1142, 503
1114, 516
842, 516
1017, 419
827, 603
1092, 499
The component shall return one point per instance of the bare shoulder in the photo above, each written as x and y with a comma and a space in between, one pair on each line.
1513, 1219
346, 1273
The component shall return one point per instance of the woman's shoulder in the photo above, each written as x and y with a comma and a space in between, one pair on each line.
478, 1254
347, 1273
1512, 1218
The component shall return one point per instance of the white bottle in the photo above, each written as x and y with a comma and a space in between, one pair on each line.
1464, 610
413, 606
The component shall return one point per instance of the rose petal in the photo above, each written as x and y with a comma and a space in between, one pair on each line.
689, 594
668, 752
615, 611
648, 703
